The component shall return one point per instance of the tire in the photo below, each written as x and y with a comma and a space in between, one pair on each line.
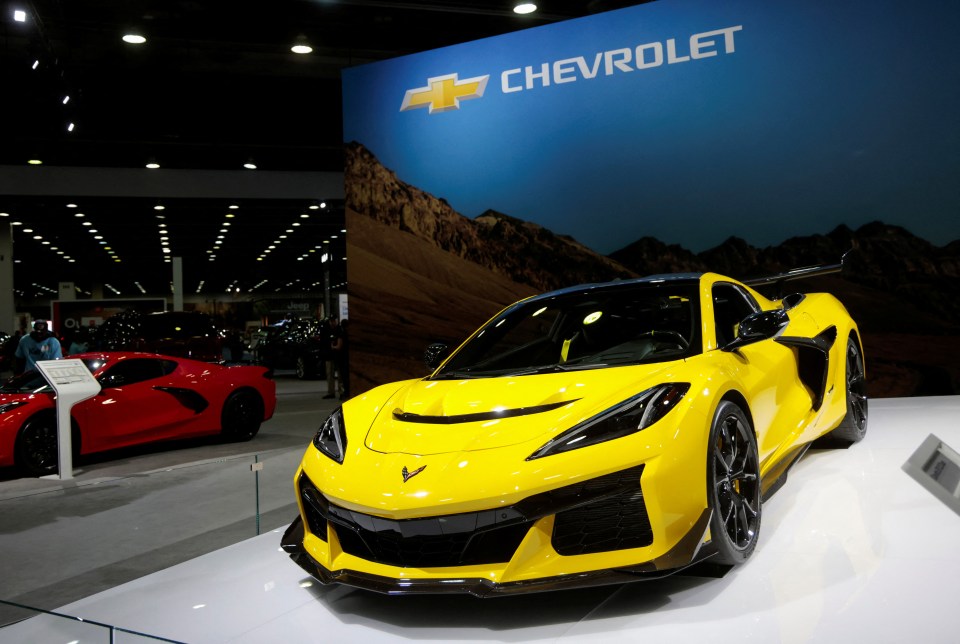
36, 451
241, 415
303, 373
853, 427
733, 478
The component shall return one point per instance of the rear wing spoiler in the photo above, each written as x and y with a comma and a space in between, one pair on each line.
780, 279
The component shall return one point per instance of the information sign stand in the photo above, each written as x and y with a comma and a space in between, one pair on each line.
73, 383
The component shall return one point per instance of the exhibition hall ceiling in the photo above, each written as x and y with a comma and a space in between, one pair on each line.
214, 86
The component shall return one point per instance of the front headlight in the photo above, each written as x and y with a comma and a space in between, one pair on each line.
623, 419
4, 408
331, 439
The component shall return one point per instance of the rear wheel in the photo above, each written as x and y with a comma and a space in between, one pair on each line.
241, 415
853, 427
733, 476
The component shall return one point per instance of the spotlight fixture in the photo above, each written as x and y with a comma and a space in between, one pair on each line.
301, 46
134, 39
70, 127
250, 165
153, 165
20, 15
36, 63
524, 8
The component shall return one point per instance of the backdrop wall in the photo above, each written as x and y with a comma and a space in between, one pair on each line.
740, 137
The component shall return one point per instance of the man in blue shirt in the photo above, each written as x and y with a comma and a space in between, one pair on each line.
39, 345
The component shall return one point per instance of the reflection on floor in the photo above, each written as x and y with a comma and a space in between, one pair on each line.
852, 549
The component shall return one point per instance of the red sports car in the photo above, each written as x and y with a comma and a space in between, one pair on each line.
144, 398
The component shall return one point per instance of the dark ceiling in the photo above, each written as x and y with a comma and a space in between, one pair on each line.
215, 86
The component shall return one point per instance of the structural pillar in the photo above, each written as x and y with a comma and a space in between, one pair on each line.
8, 308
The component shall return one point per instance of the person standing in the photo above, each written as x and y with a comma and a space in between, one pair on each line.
39, 345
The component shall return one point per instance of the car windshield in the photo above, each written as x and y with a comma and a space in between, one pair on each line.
33, 382
591, 328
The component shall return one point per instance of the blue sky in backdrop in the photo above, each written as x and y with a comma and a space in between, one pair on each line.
813, 113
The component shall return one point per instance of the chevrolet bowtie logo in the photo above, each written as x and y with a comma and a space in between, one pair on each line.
407, 475
444, 93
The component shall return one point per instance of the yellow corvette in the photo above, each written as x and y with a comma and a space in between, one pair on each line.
592, 435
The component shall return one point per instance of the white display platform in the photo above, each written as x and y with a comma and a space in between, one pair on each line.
852, 549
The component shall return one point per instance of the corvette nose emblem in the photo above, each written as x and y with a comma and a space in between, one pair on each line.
407, 474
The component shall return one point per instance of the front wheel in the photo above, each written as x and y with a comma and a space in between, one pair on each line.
35, 451
241, 416
853, 427
733, 477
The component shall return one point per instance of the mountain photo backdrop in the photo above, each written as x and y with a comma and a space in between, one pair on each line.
743, 137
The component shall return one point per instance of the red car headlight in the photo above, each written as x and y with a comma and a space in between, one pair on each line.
5, 407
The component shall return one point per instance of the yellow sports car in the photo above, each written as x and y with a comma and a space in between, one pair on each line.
591, 435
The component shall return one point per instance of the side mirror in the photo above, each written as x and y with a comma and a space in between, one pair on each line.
758, 326
112, 380
435, 354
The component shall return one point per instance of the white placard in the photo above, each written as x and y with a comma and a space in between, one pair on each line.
73, 383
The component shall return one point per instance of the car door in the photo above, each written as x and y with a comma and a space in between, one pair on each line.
767, 370
129, 409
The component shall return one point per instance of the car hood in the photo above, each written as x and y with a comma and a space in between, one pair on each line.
442, 416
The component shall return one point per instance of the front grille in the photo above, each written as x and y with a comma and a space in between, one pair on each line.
599, 514
394, 545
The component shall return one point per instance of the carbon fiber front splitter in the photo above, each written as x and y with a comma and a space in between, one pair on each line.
686, 553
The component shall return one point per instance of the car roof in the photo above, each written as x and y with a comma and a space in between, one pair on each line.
673, 278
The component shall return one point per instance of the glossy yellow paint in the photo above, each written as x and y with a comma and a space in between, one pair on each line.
480, 465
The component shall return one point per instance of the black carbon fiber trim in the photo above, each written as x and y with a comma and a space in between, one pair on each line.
472, 418
594, 515
186, 397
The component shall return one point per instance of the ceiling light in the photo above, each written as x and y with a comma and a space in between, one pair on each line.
66, 99
134, 39
234, 207
20, 15
28, 230
35, 64
153, 165
301, 46
249, 165
35, 162
71, 205
159, 207
524, 8
69, 127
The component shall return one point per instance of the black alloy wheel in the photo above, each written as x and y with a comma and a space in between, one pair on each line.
302, 372
853, 427
733, 475
241, 416
36, 446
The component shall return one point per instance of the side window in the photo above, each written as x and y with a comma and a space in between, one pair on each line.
167, 367
730, 305
128, 372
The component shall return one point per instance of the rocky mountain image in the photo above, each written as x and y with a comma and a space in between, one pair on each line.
420, 272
